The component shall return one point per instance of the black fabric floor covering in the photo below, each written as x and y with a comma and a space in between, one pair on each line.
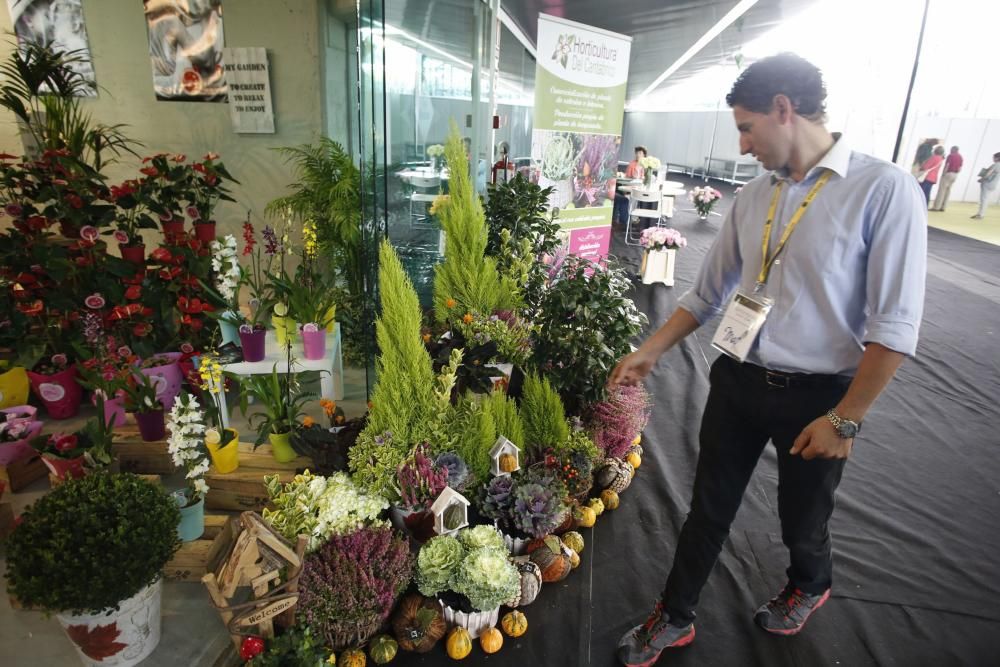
916, 530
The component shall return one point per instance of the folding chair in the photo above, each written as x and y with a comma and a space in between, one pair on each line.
651, 196
425, 191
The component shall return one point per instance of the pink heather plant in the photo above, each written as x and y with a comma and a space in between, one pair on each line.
616, 420
662, 238
420, 480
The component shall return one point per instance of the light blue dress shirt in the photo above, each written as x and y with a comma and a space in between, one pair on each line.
851, 273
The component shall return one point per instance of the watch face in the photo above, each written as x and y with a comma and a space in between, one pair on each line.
847, 430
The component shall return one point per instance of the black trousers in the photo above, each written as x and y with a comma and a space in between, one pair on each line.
748, 406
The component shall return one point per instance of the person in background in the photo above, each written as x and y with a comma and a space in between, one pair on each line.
929, 171
829, 331
952, 165
924, 151
633, 170
988, 180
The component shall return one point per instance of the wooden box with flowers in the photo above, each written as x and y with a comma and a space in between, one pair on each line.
244, 488
138, 456
197, 558
22, 472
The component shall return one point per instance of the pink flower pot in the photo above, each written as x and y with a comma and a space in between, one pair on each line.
151, 426
204, 231
18, 413
19, 449
60, 392
64, 468
114, 410
167, 377
314, 344
253, 344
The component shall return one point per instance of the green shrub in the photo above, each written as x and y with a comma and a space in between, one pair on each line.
92, 543
543, 415
503, 410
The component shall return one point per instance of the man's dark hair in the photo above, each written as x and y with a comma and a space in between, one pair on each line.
954, 149
784, 74
996, 156
645, 153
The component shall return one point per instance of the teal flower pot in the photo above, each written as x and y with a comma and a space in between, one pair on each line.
230, 332
192, 525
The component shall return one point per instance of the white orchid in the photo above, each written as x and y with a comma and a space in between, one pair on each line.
187, 428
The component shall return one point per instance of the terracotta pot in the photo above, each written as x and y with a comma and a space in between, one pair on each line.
136, 254
204, 231
60, 393
135, 627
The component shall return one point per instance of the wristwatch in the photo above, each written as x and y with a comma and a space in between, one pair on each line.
845, 428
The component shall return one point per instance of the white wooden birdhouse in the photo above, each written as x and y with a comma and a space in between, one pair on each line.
505, 457
451, 512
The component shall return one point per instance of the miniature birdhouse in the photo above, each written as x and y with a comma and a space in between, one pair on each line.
505, 457
451, 511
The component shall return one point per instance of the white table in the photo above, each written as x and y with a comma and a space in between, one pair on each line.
408, 175
330, 367
669, 189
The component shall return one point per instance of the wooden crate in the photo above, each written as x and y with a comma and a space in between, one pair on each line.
20, 474
152, 479
138, 456
6, 520
197, 558
243, 489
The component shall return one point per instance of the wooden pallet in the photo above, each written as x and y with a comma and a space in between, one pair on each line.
20, 474
136, 455
197, 558
243, 489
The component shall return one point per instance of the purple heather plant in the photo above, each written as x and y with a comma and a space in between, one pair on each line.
353, 578
420, 479
616, 420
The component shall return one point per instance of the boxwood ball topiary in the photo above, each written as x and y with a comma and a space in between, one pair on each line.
92, 543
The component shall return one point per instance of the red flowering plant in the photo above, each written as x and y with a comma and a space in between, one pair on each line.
207, 187
164, 183
92, 442
178, 281
132, 212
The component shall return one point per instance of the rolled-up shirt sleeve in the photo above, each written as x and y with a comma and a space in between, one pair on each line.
718, 276
897, 265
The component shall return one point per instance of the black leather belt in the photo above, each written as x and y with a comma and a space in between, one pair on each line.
782, 380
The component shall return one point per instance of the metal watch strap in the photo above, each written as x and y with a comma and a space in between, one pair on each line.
839, 421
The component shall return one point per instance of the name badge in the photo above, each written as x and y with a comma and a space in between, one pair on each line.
741, 324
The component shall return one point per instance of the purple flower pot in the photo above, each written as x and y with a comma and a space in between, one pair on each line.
151, 426
167, 378
253, 344
314, 344
114, 410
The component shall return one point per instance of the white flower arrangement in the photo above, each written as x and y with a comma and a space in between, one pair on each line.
435, 150
226, 265
321, 507
187, 430
650, 162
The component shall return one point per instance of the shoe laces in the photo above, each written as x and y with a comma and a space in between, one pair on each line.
645, 632
788, 599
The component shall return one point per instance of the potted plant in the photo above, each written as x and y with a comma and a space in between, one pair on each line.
661, 245
311, 300
618, 419
470, 574
525, 506
328, 446
74, 455
228, 275
282, 404
206, 187
421, 480
15, 436
164, 371
223, 443
92, 552
141, 399
436, 152
187, 432
704, 200
131, 216
320, 507
350, 585
54, 381
648, 164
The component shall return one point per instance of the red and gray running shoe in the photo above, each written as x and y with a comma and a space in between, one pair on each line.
642, 645
787, 613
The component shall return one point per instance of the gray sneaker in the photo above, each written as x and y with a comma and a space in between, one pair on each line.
787, 613
643, 644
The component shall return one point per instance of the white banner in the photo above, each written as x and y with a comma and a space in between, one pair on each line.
247, 75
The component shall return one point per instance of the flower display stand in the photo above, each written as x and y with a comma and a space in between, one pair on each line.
658, 267
243, 489
22, 472
197, 558
135, 455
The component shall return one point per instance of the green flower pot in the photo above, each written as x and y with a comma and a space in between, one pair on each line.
281, 447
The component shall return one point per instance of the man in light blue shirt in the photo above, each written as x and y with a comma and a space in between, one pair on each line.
846, 294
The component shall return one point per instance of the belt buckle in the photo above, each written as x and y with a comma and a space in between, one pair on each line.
777, 380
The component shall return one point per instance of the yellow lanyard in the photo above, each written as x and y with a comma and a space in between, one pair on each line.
766, 262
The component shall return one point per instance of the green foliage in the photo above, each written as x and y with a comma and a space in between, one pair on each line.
519, 207
279, 395
473, 433
295, 647
92, 543
467, 276
543, 415
503, 410
585, 323
438, 560
373, 461
403, 398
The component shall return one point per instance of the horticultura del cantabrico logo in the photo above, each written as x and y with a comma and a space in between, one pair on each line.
585, 55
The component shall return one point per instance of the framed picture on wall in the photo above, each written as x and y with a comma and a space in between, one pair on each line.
57, 24
185, 48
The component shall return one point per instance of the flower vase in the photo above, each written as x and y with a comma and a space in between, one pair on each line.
14, 386
151, 426
253, 344
60, 392
313, 344
64, 469
476, 623
281, 447
135, 625
226, 457
658, 267
647, 178
134, 254
204, 231
230, 332
192, 524
167, 377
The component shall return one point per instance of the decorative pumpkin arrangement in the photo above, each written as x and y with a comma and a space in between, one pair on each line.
585, 517
551, 557
596, 505
574, 541
353, 657
459, 643
574, 559
531, 583
508, 463
610, 499
514, 623
383, 649
418, 623
491, 640
634, 460
614, 474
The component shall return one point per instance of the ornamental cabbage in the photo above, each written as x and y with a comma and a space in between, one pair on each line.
438, 560
487, 578
481, 537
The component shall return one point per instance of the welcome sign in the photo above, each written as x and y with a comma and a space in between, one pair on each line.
580, 82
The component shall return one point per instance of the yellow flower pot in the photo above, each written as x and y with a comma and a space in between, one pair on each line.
331, 312
281, 447
284, 329
225, 458
13, 387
